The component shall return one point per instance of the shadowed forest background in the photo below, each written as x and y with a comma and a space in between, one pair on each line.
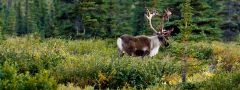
71, 44
74, 19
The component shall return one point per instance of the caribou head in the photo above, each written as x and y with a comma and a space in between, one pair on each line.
146, 45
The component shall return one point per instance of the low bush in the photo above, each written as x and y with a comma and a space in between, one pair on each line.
95, 63
201, 50
222, 81
108, 73
227, 56
12, 80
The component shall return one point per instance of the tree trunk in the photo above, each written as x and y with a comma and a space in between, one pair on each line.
109, 20
26, 16
184, 64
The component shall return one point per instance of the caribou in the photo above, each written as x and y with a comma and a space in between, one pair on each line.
146, 45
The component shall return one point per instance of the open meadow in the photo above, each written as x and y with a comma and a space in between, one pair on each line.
29, 62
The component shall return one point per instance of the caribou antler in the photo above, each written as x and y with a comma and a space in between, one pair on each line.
164, 17
149, 16
167, 13
167, 33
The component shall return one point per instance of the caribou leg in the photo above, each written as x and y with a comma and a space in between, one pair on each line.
120, 53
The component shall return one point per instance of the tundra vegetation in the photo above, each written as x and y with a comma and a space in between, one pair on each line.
72, 44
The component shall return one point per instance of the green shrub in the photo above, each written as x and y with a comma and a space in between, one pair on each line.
187, 86
201, 51
227, 56
222, 81
12, 80
108, 73
95, 63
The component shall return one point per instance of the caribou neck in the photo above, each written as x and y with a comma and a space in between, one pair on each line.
155, 44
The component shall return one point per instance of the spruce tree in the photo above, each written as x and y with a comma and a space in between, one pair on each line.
8, 17
51, 29
124, 17
19, 18
206, 18
230, 24
1, 23
186, 29
138, 20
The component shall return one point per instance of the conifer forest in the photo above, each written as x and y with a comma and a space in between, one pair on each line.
120, 44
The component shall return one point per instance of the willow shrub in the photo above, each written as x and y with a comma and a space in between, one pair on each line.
84, 62
10, 79
198, 50
222, 81
95, 62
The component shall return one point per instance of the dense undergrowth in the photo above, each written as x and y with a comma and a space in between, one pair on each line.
31, 63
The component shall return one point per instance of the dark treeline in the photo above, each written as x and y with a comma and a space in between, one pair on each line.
212, 19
